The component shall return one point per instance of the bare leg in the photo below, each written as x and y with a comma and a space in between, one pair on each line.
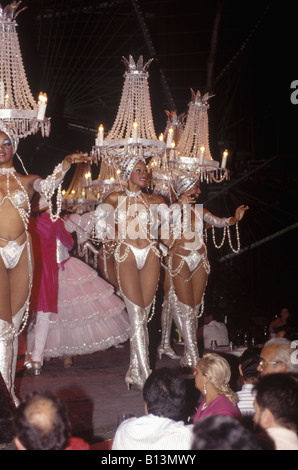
107, 267
14, 292
199, 282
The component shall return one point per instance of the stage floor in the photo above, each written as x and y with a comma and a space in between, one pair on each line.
94, 389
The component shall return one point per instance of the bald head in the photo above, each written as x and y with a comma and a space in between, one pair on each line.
41, 413
41, 423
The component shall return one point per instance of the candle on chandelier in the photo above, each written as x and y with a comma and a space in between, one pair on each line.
6, 100
170, 137
172, 151
201, 159
87, 175
135, 132
2, 94
99, 138
161, 137
224, 159
42, 106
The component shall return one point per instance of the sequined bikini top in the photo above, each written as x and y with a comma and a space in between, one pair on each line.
19, 198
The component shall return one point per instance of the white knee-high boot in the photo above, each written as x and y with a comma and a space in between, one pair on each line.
188, 319
166, 327
16, 321
7, 335
139, 368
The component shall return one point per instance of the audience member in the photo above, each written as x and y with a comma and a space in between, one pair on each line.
277, 357
212, 376
213, 329
41, 423
222, 433
289, 332
162, 426
7, 408
249, 375
282, 320
276, 407
6, 425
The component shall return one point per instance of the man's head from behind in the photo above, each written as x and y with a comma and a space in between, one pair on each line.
248, 365
165, 394
222, 433
41, 423
276, 401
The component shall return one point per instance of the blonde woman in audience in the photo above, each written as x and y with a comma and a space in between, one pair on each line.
212, 376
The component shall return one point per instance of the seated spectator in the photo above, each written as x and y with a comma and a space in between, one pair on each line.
213, 329
276, 406
162, 426
283, 319
222, 433
289, 332
41, 423
276, 357
212, 376
249, 375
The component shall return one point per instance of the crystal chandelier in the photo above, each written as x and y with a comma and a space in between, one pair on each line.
161, 177
107, 181
192, 154
18, 109
80, 196
132, 133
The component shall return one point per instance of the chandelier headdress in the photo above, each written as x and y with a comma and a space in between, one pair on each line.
192, 154
19, 111
184, 183
161, 177
11, 134
132, 135
127, 164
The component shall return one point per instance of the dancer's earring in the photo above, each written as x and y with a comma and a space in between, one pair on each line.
204, 389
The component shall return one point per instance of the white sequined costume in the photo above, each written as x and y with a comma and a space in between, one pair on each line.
185, 316
139, 368
10, 254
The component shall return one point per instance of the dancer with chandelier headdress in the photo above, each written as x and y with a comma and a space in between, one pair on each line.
187, 271
137, 258
16, 192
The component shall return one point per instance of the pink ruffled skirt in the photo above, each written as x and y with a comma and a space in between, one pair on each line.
90, 316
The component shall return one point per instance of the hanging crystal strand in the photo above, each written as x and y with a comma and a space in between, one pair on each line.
235, 250
223, 238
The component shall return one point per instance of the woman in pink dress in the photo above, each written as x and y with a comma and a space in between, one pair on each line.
79, 310
212, 376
